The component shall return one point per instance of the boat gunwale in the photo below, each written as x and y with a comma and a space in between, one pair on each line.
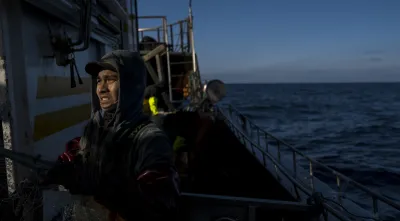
246, 201
374, 195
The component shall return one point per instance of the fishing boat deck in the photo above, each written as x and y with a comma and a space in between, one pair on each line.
285, 163
235, 175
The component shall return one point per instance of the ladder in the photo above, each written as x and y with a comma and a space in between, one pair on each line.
195, 80
176, 100
178, 66
157, 76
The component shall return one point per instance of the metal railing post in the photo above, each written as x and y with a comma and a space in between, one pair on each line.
171, 34
181, 36
192, 44
168, 57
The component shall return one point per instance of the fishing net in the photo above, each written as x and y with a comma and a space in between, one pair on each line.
22, 201
30, 199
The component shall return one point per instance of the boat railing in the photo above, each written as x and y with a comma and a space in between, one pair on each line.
176, 35
178, 38
260, 141
199, 207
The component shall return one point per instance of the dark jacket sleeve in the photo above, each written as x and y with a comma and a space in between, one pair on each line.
153, 150
156, 182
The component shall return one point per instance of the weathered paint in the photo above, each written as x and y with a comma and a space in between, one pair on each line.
13, 114
4, 114
6, 165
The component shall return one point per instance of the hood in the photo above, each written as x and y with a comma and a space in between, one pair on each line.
132, 77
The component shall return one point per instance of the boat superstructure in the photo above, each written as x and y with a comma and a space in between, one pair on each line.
170, 56
44, 91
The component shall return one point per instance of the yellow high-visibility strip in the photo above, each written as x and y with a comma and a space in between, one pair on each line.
53, 122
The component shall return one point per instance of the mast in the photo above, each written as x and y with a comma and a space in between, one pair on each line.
196, 75
192, 37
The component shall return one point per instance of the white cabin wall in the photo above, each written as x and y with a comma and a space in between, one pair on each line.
39, 89
52, 103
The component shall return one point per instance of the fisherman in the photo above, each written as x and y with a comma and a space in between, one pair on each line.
150, 103
151, 108
124, 161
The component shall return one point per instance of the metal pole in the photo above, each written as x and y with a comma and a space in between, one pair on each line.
192, 36
195, 74
136, 23
165, 29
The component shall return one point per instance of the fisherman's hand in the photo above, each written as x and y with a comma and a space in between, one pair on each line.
66, 168
71, 150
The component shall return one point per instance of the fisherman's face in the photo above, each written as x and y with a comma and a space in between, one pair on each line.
107, 88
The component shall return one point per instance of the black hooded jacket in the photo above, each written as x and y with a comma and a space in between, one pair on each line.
127, 162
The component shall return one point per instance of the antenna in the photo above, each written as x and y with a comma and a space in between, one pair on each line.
190, 10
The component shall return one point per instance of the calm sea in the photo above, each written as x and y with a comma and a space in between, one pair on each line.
353, 128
